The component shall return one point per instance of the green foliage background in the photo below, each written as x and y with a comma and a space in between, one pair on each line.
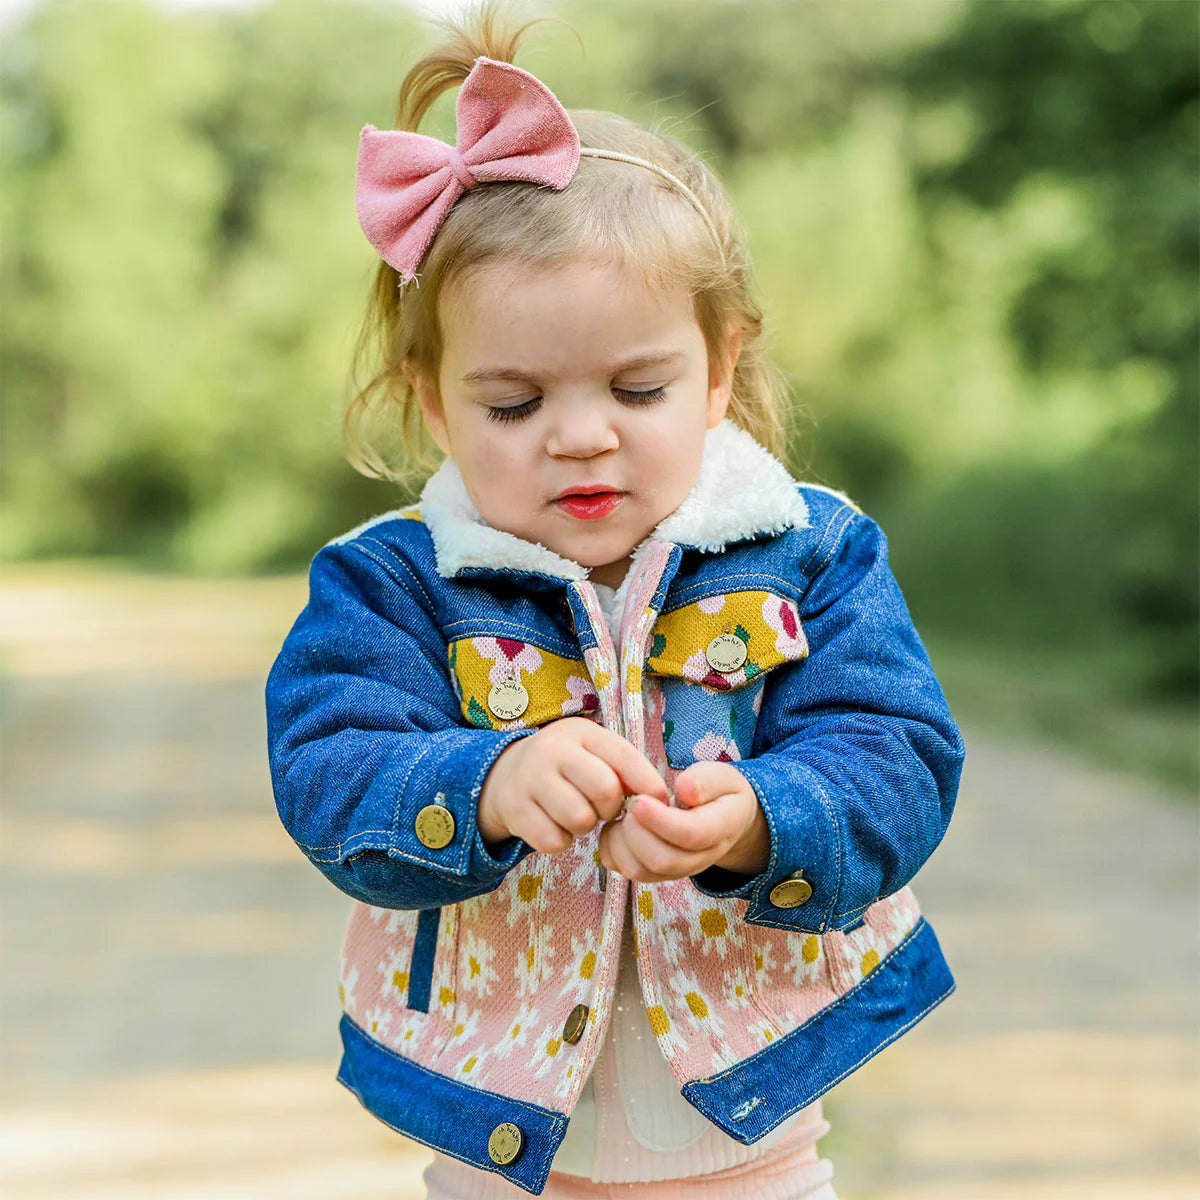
974, 223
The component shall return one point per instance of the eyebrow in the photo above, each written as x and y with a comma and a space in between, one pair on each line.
659, 358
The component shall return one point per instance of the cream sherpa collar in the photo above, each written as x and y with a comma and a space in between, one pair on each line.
741, 491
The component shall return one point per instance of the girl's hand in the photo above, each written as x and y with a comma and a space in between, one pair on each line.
722, 824
561, 782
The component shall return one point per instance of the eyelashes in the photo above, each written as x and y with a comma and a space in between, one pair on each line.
518, 412
515, 412
640, 399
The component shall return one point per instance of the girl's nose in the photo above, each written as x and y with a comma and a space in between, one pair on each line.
583, 429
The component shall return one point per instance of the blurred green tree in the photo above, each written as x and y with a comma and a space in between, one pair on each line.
1093, 107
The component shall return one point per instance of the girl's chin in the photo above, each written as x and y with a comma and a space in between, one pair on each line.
599, 549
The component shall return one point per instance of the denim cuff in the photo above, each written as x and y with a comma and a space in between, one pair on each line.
803, 845
448, 771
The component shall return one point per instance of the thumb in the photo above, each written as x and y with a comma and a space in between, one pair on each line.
704, 781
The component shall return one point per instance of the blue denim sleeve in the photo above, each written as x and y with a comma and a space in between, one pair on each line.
856, 757
364, 730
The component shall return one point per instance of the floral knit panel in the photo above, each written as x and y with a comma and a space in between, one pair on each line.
375, 978
856, 952
508, 969
726, 989
637, 621
555, 686
528, 953
688, 944
796, 974
511, 964
546, 940
709, 1010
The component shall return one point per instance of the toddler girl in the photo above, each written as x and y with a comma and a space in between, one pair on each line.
621, 739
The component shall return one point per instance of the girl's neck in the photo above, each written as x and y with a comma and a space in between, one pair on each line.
611, 574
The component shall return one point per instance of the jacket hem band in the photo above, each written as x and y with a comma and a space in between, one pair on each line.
446, 1115
751, 1098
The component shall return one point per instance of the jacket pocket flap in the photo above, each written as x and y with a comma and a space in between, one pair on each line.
725, 641
502, 683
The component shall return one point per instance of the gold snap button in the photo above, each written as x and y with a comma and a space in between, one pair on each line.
505, 1143
508, 699
791, 892
726, 653
435, 826
576, 1023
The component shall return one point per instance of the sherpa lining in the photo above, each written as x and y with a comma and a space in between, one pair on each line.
741, 491
461, 537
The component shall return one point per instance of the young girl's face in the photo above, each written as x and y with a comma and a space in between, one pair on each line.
575, 401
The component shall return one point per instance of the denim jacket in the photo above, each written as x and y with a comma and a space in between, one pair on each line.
761, 626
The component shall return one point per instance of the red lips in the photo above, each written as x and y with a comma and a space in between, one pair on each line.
589, 502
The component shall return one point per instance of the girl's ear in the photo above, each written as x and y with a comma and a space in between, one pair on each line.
720, 379
431, 408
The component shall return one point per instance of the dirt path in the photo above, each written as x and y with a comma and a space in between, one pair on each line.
169, 977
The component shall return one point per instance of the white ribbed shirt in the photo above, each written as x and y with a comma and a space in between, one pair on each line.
630, 1122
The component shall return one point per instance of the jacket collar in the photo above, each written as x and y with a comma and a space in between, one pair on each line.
741, 491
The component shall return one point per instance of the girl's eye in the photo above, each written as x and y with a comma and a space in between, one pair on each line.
506, 414
514, 412
630, 396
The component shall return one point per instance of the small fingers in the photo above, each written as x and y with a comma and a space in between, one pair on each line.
615, 853
638, 853
564, 804
620, 855
705, 781
634, 770
656, 855
543, 833
690, 829
597, 782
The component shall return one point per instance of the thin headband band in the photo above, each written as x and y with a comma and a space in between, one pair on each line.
674, 180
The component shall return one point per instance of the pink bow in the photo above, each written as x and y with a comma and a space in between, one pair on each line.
510, 126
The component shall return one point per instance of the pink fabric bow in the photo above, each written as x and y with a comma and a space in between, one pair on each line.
510, 126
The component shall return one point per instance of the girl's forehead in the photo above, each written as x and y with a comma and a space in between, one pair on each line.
554, 313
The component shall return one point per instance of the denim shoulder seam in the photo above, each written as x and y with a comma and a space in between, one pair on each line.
394, 565
847, 515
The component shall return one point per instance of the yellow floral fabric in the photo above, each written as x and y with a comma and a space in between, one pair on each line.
767, 623
557, 686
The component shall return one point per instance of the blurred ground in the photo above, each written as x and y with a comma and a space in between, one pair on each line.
170, 985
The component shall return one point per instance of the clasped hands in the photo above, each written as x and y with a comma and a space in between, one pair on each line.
574, 774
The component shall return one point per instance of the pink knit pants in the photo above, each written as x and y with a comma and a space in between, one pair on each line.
784, 1172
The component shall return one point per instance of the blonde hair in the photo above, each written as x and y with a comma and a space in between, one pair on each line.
611, 211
